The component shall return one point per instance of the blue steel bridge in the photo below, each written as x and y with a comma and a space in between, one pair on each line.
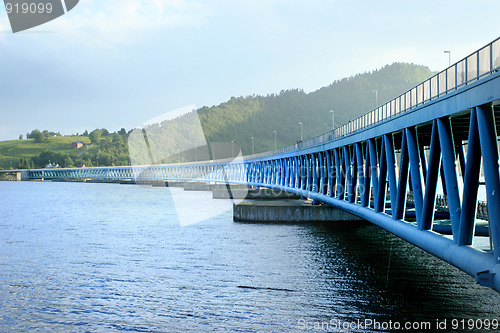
387, 164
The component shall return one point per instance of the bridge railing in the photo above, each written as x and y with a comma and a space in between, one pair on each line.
479, 64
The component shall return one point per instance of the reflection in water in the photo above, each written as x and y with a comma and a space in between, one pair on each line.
94, 257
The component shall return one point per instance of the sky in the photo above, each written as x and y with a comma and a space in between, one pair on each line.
119, 63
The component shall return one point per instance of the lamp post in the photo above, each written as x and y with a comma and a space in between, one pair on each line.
253, 145
300, 131
232, 148
333, 119
213, 152
449, 57
274, 140
376, 98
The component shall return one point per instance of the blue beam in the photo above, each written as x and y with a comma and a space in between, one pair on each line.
431, 181
489, 149
365, 197
450, 173
459, 148
382, 181
338, 175
295, 172
471, 184
373, 169
423, 162
416, 179
330, 173
391, 170
354, 176
303, 171
360, 171
314, 173
402, 180
347, 172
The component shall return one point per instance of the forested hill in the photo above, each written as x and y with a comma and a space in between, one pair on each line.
241, 118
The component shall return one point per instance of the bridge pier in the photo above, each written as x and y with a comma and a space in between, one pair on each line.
289, 211
22, 175
243, 192
198, 186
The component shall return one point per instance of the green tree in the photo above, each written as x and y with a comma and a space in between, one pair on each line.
23, 164
36, 135
117, 139
68, 162
95, 136
47, 156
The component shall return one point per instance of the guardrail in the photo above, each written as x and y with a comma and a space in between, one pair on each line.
479, 64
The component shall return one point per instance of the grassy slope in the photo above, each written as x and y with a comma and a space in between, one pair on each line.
12, 151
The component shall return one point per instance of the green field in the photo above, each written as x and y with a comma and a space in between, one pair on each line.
12, 151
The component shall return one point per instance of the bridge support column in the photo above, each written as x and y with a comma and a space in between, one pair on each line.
382, 180
391, 169
373, 170
450, 172
471, 184
22, 175
432, 179
415, 171
402, 180
289, 211
489, 149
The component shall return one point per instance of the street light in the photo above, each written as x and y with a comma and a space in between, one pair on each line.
232, 148
253, 145
274, 140
300, 132
376, 98
449, 57
333, 119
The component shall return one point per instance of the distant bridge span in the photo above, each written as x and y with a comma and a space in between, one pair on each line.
443, 131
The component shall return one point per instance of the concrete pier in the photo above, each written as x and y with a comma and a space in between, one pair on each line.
23, 175
198, 186
174, 183
239, 192
295, 211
